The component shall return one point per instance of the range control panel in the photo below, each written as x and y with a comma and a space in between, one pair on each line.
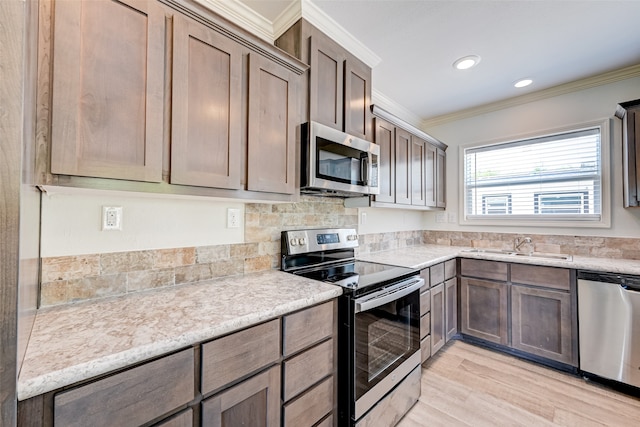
297, 242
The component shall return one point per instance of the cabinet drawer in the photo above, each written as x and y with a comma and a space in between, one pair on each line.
450, 269
437, 274
132, 397
483, 269
306, 369
549, 277
307, 327
232, 357
425, 325
183, 419
425, 274
425, 303
425, 348
311, 407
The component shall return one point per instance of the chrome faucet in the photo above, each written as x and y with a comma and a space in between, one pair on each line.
517, 242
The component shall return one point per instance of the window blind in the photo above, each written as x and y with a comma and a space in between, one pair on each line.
552, 177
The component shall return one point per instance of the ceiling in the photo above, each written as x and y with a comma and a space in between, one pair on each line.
553, 42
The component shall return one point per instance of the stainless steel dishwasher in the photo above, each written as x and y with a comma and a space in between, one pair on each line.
609, 326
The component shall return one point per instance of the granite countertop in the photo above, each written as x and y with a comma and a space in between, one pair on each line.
75, 342
426, 255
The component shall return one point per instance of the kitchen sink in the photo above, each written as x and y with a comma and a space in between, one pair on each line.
545, 255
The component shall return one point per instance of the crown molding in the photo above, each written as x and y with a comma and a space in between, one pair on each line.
582, 84
286, 19
331, 28
241, 15
386, 103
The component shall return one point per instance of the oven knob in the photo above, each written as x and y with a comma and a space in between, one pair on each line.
302, 241
352, 237
294, 242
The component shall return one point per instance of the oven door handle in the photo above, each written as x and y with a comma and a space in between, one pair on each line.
387, 295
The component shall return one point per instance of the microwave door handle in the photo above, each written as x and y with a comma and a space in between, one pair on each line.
364, 170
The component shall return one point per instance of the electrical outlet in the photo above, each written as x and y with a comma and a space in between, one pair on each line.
111, 218
233, 218
441, 217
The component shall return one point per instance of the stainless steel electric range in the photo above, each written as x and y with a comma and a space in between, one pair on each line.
378, 315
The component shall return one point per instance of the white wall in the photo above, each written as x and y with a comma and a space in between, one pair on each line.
559, 111
385, 220
71, 222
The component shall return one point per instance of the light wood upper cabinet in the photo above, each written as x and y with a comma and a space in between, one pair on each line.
273, 93
108, 89
357, 99
326, 60
206, 114
403, 167
418, 171
385, 138
441, 183
339, 83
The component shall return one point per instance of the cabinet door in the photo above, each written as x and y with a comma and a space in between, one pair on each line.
271, 160
430, 175
451, 307
326, 61
403, 167
357, 99
253, 402
438, 333
108, 89
541, 323
440, 178
418, 171
206, 114
483, 311
385, 138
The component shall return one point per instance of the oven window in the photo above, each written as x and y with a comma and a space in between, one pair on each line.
339, 162
385, 337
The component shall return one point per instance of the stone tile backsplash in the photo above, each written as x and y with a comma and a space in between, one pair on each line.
589, 246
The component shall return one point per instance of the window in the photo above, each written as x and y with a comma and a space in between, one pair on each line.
562, 203
556, 178
496, 204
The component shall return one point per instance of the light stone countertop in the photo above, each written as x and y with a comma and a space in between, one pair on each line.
76, 342
426, 255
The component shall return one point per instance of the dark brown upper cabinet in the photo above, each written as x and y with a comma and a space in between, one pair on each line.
207, 101
108, 89
141, 96
273, 96
629, 112
339, 83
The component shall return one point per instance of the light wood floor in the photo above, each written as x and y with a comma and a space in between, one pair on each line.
465, 385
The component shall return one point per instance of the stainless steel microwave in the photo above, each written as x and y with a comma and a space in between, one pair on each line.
337, 164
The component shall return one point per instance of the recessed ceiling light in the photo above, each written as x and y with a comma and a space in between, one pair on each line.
466, 62
523, 83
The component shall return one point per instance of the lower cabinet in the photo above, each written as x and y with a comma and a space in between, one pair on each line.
484, 309
253, 402
438, 307
451, 308
277, 373
525, 307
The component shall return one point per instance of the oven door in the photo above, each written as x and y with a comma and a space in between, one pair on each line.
387, 340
